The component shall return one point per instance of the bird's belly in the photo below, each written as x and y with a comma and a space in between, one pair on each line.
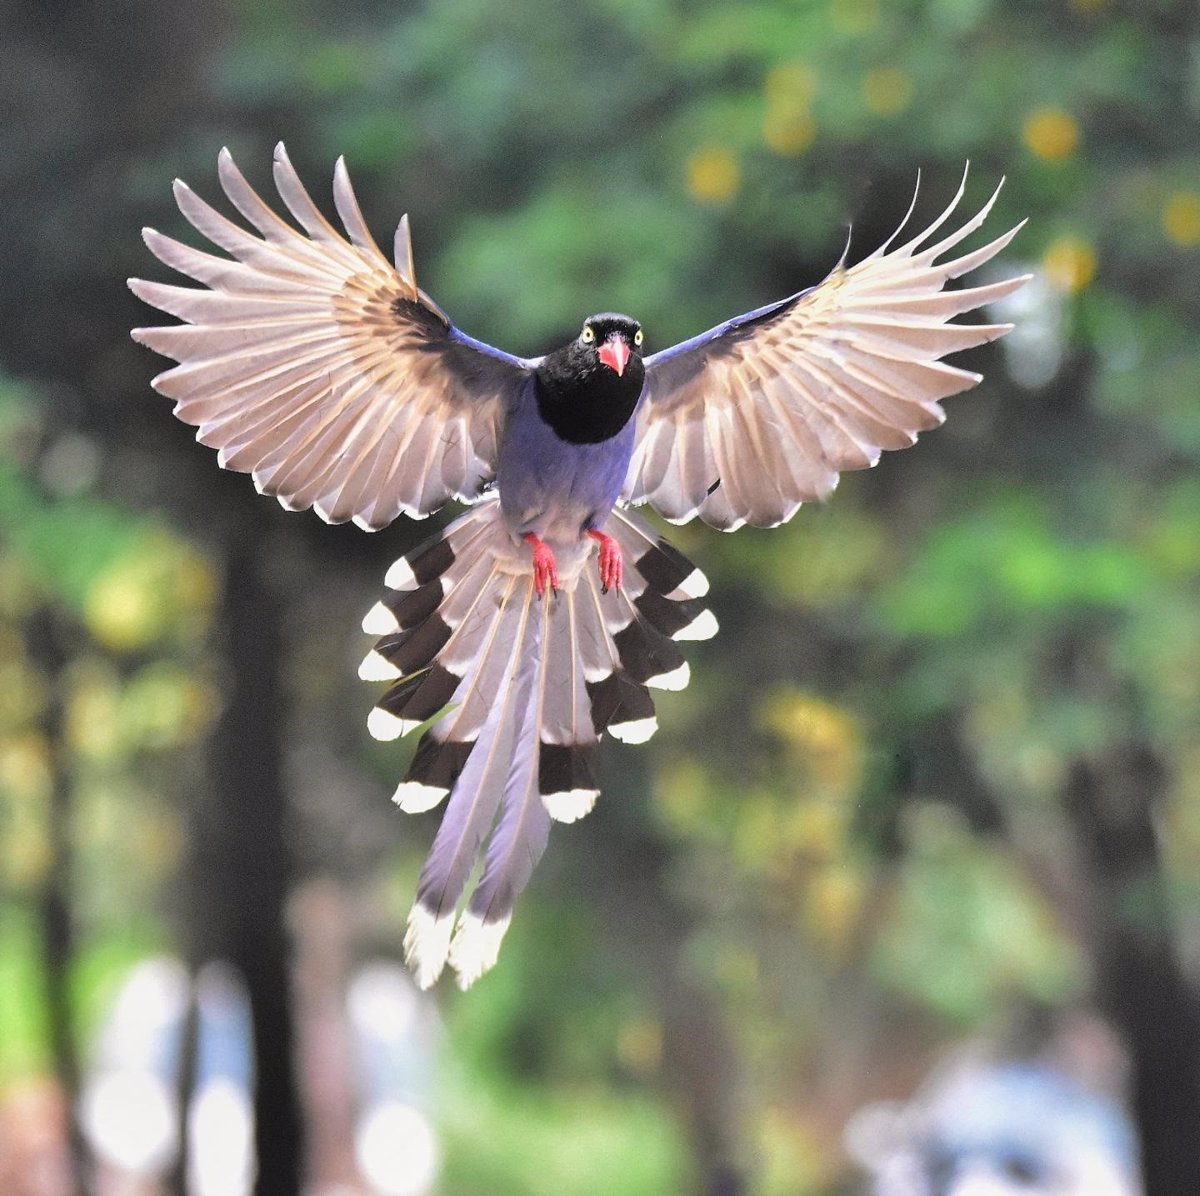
555, 489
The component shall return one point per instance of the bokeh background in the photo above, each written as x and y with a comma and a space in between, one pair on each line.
928, 814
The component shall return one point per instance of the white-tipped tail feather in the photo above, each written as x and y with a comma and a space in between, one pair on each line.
386, 727
636, 731
676, 679
695, 585
379, 620
400, 576
703, 627
476, 946
427, 944
376, 667
415, 798
527, 687
571, 805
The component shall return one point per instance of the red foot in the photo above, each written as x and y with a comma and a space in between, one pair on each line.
611, 566
545, 571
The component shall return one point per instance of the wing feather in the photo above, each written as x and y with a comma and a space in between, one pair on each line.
313, 364
351, 215
747, 421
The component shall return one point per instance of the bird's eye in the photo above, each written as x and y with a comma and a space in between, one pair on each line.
588, 335
637, 337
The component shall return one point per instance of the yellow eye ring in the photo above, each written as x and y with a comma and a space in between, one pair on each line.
588, 335
637, 337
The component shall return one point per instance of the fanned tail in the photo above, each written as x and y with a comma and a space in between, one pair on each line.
524, 688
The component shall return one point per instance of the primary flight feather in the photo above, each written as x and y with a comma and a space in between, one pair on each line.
541, 617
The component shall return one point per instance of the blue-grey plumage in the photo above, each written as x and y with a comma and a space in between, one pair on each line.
552, 487
311, 362
565, 445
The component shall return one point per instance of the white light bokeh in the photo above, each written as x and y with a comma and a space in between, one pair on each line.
397, 1150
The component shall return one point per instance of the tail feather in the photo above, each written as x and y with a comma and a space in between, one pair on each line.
565, 717
467, 820
525, 688
520, 836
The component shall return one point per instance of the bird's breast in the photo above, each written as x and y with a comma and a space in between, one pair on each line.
553, 487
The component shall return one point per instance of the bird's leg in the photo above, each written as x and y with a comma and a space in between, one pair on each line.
611, 566
545, 571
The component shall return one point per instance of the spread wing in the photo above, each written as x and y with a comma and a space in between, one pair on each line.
313, 364
750, 419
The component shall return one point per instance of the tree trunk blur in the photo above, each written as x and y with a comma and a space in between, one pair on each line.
46, 646
241, 869
1112, 803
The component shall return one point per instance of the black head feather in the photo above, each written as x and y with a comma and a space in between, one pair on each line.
581, 398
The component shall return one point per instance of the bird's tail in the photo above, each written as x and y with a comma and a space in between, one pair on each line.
519, 690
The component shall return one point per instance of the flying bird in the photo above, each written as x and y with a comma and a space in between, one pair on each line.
543, 615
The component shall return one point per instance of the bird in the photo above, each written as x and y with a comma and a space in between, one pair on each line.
541, 617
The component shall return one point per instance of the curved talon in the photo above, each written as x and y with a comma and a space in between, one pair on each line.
545, 571
611, 563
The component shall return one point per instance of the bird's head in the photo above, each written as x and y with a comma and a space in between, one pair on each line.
612, 339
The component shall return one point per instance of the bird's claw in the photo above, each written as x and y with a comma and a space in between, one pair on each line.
545, 571
611, 562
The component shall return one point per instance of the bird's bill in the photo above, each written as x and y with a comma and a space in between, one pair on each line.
615, 353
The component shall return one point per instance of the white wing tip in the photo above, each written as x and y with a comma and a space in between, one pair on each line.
476, 947
426, 944
674, 680
637, 731
387, 727
376, 667
414, 797
379, 620
570, 805
703, 627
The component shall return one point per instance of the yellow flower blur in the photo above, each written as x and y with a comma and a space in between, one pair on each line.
854, 17
887, 90
1051, 133
788, 126
1181, 218
713, 175
791, 83
788, 134
1070, 264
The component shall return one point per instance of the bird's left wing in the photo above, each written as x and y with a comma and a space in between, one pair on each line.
313, 364
750, 419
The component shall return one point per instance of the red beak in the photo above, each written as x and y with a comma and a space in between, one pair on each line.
615, 353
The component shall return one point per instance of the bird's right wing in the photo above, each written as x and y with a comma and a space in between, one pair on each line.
313, 364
